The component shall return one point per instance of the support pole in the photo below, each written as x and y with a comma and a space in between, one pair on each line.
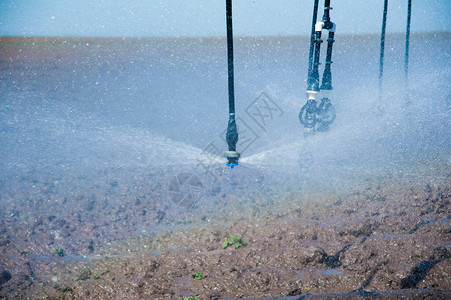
310, 79
230, 57
326, 111
381, 59
327, 74
232, 133
315, 72
406, 59
326, 16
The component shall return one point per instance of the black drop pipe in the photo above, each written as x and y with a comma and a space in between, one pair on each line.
326, 17
406, 59
327, 75
324, 114
312, 46
230, 57
381, 59
315, 72
232, 133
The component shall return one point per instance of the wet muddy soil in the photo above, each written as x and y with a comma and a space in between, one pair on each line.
390, 238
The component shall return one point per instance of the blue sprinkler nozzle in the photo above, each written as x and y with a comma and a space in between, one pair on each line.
232, 157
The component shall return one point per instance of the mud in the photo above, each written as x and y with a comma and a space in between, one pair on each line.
389, 239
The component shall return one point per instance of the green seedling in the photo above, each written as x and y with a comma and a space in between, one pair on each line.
239, 295
191, 298
23, 217
25, 252
59, 251
198, 276
238, 241
97, 276
226, 244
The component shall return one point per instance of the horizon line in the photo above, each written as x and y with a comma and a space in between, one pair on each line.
209, 37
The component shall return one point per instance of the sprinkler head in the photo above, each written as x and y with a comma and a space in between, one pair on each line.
232, 158
325, 115
307, 115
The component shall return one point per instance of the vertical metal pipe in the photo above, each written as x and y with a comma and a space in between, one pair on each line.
312, 45
230, 57
381, 59
406, 59
326, 16
315, 72
232, 131
327, 74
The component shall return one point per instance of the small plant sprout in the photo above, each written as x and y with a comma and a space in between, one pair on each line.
97, 276
198, 276
59, 251
25, 252
191, 298
239, 295
226, 244
238, 241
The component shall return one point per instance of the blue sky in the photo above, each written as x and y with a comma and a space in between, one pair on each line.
152, 18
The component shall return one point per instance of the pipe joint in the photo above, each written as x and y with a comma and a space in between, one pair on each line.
319, 26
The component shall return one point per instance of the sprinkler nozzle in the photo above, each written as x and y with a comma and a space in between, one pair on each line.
232, 158
232, 139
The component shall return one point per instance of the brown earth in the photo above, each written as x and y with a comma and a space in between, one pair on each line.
390, 238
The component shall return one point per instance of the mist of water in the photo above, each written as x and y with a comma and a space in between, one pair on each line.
78, 106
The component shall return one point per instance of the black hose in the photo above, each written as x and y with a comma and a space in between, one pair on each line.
327, 74
232, 131
314, 86
406, 59
230, 56
312, 45
381, 59
326, 16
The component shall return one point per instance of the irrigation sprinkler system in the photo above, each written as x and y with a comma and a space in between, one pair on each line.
314, 117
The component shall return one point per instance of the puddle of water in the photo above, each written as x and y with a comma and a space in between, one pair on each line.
75, 257
331, 272
313, 272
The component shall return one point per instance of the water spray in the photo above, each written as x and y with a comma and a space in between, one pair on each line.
232, 133
312, 117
